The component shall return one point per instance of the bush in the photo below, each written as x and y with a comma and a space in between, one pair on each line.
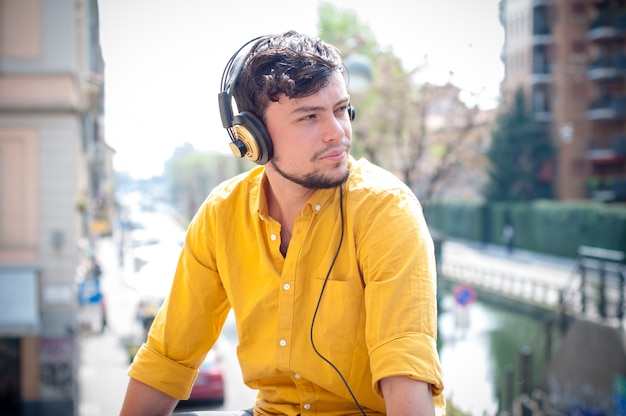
546, 226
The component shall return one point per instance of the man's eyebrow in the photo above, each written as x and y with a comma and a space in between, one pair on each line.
313, 108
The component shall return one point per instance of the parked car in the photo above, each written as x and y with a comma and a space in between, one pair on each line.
208, 389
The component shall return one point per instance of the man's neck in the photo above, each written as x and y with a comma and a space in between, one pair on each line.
285, 199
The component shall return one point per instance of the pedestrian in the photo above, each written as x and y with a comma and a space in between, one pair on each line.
508, 237
96, 269
325, 260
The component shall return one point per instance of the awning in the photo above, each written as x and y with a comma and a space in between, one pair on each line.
19, 301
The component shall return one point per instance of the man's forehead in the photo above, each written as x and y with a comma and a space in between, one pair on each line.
333, 93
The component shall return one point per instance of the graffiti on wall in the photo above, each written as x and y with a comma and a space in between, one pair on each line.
56, 363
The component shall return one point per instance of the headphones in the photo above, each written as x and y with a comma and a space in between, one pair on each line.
249, 136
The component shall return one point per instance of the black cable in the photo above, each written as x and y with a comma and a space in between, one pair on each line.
319, 301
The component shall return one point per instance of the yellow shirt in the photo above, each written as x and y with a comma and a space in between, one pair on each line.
377, 316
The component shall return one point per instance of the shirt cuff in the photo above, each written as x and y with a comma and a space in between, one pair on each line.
161, 373
412, 355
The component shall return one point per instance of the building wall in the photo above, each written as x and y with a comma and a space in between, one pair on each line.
517, 21
569, 97
49, 107
19, 183
556, 37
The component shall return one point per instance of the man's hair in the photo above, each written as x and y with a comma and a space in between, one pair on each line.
289, 63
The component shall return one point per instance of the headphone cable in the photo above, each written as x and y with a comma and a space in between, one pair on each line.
319, 301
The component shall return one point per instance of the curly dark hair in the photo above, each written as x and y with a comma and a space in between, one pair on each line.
290, 63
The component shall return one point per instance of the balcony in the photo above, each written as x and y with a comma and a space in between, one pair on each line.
615, 153
541, 73
605, 157
607, 189
607, 181
618, 144
607, 67
542, 116
607, 25
541, 37
541, 111
608, 108
542, 33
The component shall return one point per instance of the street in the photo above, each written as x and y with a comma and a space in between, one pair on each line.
104, 357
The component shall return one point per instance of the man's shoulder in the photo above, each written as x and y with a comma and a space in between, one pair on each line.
243, 185
367, 176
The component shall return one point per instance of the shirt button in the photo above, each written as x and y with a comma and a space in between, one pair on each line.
273, 237
307, 406
282, 342
318, 207
297, 376
286, 286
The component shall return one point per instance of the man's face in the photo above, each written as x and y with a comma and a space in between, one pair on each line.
312, 136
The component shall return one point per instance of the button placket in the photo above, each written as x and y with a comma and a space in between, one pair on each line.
306, 392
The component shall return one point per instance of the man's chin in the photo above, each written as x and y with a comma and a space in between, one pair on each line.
341, 179
336, 176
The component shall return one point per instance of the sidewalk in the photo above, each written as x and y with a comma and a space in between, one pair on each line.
104, 357
518, 255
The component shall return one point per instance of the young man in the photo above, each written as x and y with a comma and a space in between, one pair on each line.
326, 261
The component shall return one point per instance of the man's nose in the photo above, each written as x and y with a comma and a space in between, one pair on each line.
334, 129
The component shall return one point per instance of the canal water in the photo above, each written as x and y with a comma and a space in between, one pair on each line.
479, 343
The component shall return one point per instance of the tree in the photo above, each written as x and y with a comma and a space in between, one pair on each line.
191, 175
344, 30
393, 127
521, 156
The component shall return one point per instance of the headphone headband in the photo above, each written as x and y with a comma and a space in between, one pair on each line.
231, 73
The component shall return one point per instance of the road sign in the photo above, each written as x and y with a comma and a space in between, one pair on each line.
89, 292
464, 295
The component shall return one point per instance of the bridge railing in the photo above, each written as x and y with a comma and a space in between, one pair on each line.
594, 289
541, 292
599, 290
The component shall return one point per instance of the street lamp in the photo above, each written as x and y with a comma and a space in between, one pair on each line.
360, 71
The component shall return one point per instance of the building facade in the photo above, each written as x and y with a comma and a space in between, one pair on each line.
569, 57
53, 184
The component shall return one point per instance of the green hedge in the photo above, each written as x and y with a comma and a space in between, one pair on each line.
458, 219
546, 226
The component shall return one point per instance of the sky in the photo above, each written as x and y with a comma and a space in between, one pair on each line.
164, 60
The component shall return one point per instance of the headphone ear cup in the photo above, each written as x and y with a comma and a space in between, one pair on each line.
251, 138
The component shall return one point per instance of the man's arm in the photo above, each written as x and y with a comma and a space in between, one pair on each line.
406, 396
144, 400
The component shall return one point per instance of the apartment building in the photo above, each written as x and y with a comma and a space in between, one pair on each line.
55, 177
569, 56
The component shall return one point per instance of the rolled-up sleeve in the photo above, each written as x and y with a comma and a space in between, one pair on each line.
399, 270
156, 370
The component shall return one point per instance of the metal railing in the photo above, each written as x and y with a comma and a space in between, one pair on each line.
518, 286
602, 275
